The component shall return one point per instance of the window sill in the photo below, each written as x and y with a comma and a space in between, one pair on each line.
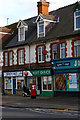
47, 90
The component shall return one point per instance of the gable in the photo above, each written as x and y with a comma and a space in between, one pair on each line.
77, 6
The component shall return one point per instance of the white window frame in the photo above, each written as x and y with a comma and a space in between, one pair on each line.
38, 33
40, 54
7, 81
62, 48
75, 20
76, 45
20, 57
53, 52
47, 83
6, 59
10, 58
19, 34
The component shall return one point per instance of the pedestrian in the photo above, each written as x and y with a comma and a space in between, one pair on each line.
24, 88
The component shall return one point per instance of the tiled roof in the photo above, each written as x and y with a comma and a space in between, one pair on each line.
65, 27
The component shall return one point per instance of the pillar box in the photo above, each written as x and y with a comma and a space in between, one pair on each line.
33, 90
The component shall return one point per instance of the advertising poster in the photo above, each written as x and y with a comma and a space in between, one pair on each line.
73, 81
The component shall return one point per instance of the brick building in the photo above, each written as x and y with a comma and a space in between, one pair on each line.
47, 47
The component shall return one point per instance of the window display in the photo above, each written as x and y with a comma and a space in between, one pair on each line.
60, 81
20, 84
72, 82
8, 82
67, 81
47, 83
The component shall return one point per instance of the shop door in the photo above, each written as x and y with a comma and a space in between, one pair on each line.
39, 84
14, 86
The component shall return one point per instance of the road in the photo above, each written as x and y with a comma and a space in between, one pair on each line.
8, 112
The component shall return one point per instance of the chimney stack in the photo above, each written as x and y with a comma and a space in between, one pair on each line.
43, 6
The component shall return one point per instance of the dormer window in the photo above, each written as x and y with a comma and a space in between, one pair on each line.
76, 20
22, 28
41, 29
21, 33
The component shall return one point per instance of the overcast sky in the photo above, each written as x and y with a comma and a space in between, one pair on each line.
22, 9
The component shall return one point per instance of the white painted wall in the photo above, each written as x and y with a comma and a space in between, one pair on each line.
33, 52
69, 50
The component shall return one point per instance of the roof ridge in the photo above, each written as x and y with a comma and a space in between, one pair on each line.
64, 7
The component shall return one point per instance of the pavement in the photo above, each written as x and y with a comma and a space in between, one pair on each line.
58, 102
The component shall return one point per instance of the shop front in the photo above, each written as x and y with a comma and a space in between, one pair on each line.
66, 74
13, 82
43, 80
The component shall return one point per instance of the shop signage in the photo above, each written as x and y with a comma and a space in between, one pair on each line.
41, 72
13, 74
66, 63
63, 64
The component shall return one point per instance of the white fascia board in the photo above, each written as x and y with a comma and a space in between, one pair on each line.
22, 25
38, 18
49, 20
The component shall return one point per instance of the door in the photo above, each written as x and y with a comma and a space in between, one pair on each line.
39, 84
14, 86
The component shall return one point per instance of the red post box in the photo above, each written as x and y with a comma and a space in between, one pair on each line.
33, 90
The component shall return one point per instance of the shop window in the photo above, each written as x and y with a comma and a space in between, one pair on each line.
21, 57
60, 81
77, 20
47, 83
72, 82
62, 50
11, 58
6, 58
8, 83
40, 54
54, 51
31, 80
20, 84
77, 48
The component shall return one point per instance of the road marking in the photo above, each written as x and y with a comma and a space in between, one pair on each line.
65, 110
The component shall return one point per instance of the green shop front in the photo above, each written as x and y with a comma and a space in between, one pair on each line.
43, 80
66, 76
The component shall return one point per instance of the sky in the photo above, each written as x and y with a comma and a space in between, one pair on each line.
14, 10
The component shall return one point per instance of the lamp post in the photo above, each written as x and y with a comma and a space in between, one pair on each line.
26, 73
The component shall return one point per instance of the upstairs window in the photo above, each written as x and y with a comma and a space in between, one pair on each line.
41, 29
10, 58
77, 48
21, 57
40, 54
21, 33
77, 20
62, 50
54, 51
6, 58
